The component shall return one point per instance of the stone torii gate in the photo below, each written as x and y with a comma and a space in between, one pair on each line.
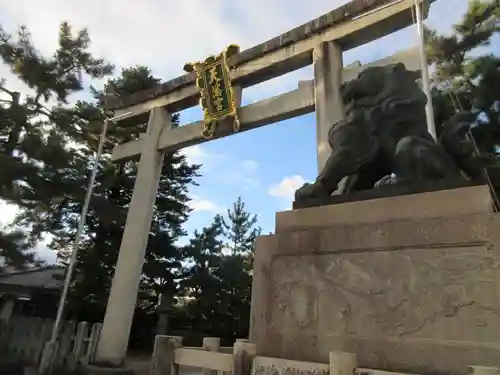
319, 42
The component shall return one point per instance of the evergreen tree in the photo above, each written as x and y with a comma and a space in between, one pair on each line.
240, 231
218, 275
466, 77
200, 280
48, 147
109, 206
15, 250
34, 135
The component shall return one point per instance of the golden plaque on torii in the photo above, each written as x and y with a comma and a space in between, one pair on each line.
218, 100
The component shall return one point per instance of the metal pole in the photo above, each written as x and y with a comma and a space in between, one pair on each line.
81, 225
429, 110
72, 263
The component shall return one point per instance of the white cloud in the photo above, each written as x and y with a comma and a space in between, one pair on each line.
14, 83
164, 35
198, 204
198, 155
150, 31
195, 154
286, 188
8, 212
46, 254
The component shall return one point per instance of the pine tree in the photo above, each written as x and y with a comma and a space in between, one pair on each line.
48, 147
200, 280
466, 78
240, 231
112, 193
15, 250
34, 134
463, 77
217, 277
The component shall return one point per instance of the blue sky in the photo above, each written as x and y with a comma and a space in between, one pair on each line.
263, 166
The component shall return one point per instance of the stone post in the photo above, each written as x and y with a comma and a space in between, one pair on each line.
113, 340
243, 355
164, 309
95, 331
163, 360
327, 64
342, 363
78, 345
483, 370
210, 344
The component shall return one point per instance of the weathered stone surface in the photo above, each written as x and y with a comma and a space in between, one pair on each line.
114, 336
444, 203
345, 12
368, 371
483, 370
387, 191
342, 363
407, 293
329, 108
417, 296
279, 366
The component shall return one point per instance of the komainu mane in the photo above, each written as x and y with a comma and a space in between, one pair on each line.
383, 138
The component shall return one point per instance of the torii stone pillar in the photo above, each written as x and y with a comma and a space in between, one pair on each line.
327, 63
114, 337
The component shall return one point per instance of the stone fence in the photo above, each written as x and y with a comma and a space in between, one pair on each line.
169, 355
24, 338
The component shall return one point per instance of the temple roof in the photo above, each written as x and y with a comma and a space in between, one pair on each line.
51, 277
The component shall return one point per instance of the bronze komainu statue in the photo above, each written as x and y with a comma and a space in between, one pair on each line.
383, 138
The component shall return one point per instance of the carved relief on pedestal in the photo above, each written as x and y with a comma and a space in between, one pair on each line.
298, 301
279, 366
434, 293
286, 370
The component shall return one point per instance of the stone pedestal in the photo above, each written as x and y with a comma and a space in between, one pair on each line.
409, 283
